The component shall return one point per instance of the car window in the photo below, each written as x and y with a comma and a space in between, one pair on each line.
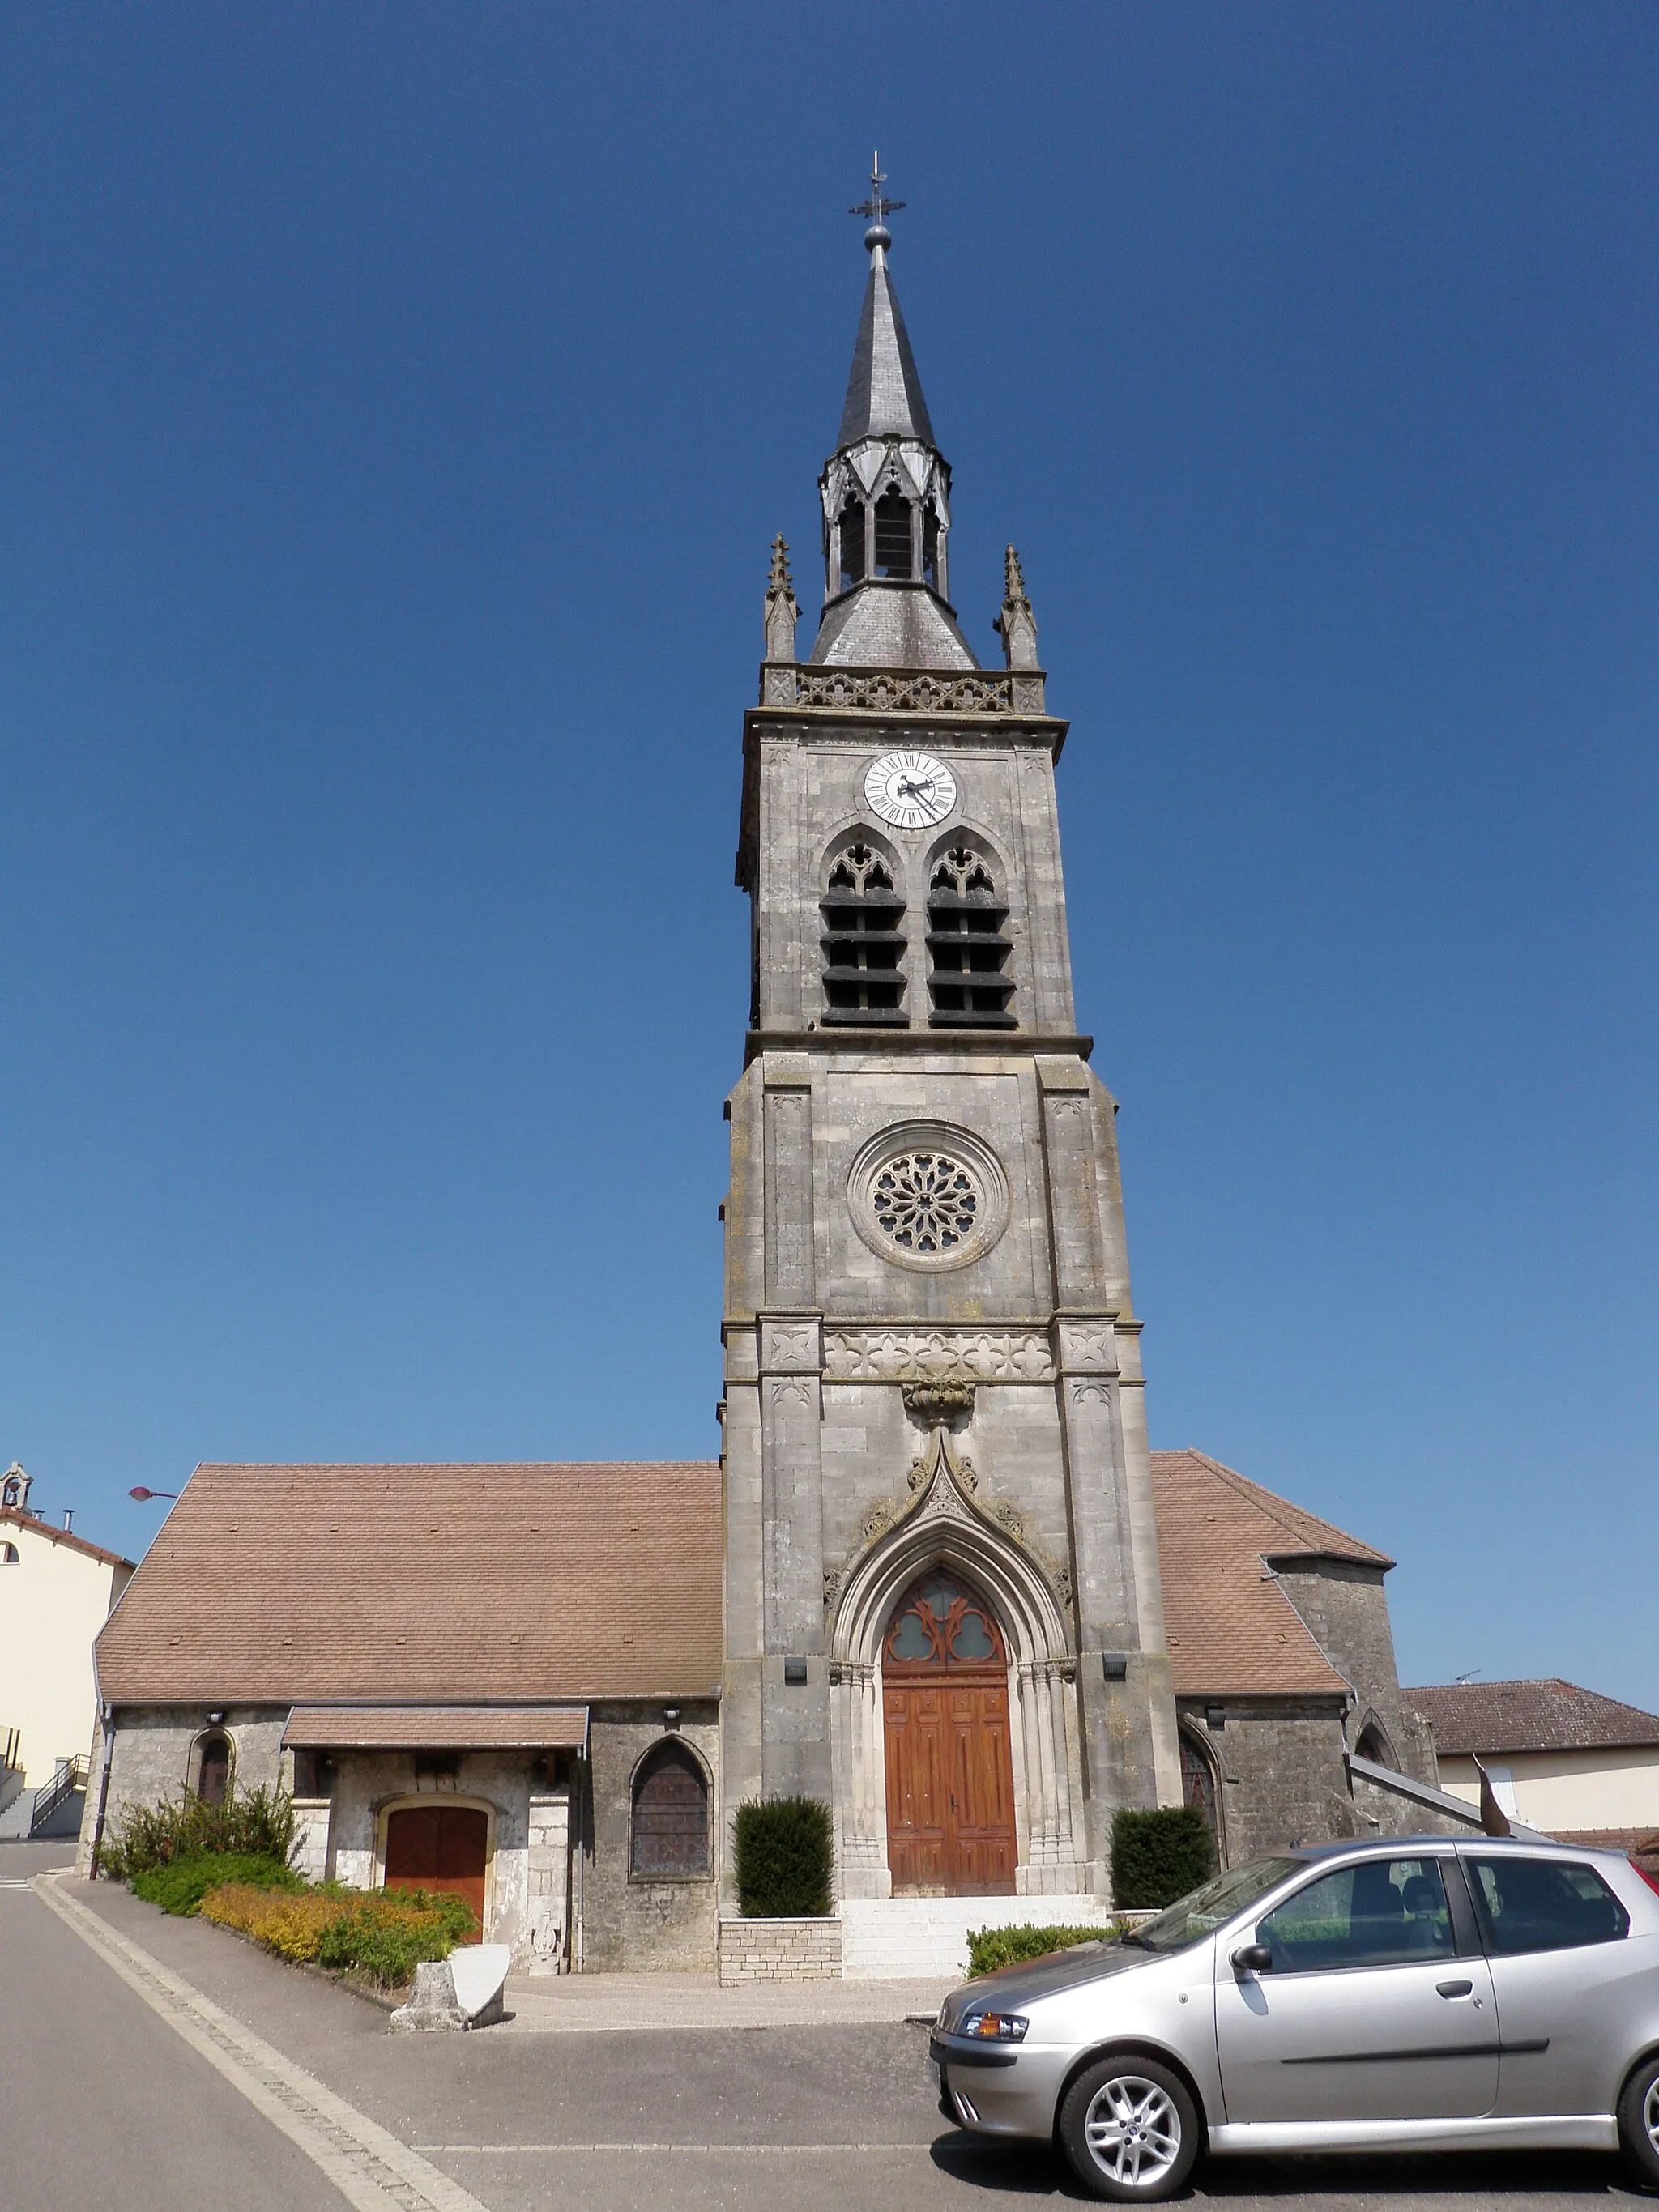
1382, 1913
1544, 1904
1203, 1910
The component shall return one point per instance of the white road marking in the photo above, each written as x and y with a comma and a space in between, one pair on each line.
718, 2150
371, 2169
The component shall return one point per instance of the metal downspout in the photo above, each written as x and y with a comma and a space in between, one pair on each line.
106, 1731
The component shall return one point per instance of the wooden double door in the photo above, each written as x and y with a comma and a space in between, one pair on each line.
950, 1765
444, 1847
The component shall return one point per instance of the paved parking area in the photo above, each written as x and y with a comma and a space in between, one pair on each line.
831, 2113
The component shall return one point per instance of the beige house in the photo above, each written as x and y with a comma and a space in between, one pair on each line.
1562, 1758
57, 1591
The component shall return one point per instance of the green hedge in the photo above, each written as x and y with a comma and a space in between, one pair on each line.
1160, 1856
256, 1825
180, 1886
990, 1950
784, 1853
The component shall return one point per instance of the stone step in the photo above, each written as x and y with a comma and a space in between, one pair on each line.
898, 1938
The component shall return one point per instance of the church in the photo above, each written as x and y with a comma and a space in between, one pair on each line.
937, 1579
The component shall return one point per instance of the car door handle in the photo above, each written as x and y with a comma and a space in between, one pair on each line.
1455, 1988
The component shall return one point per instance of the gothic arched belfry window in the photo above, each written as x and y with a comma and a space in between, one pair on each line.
863, 944
967, 945
850, 537
893, 555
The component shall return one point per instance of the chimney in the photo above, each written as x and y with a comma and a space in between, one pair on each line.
69, 1520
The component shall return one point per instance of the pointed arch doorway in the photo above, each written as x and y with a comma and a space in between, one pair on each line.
950, 1765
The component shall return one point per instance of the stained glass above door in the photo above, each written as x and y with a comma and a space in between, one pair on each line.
942, 1622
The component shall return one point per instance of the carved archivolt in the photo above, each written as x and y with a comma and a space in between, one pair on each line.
945, 1516
1004, 1355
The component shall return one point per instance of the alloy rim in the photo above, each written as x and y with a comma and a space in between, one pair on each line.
1134, 2130
1650, 2114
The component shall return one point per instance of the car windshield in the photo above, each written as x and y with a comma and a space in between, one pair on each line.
1203, 1911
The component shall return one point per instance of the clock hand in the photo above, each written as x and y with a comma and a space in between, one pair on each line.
909, 790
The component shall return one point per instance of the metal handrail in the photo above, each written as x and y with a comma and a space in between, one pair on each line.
70, 1777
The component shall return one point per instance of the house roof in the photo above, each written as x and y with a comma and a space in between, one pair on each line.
1232, 1631
1542, 1716
290, 1585
9, 1515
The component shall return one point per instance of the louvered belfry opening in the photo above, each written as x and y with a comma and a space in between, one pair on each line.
851, 530
967, 949
863, 944
893, 556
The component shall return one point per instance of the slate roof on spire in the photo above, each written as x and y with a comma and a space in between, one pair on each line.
884, 393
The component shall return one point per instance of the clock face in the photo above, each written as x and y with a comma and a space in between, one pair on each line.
910, 790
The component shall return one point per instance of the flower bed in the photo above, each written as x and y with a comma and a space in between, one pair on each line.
381, 1935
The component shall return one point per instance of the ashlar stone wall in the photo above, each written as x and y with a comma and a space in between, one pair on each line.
629, 1922
1345, 1605
152, 1754
1283, 1781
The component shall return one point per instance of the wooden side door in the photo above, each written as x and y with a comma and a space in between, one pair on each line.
443, 1847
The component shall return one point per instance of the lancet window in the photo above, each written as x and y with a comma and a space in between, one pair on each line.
863, 944
671, 1816
213, 1768
968, 945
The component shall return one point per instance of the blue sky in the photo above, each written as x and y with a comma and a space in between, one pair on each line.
396, 407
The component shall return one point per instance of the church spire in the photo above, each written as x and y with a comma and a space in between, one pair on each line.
886, 495
884, 393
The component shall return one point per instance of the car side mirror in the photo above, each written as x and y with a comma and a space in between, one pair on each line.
1253, 1959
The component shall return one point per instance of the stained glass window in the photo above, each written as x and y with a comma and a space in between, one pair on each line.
941, 1622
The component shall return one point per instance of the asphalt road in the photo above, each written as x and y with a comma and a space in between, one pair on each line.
105, 2105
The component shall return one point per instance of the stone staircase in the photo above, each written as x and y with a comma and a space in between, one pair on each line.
890, 1939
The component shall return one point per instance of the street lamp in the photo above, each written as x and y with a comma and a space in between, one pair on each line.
144, 1495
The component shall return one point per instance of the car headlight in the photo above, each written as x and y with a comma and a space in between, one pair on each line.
996, 2027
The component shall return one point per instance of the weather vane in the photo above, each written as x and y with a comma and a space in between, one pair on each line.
876, 207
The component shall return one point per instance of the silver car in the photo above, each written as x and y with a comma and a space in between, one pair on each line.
1424, 1994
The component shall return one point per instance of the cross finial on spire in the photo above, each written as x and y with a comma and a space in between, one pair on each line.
878, 208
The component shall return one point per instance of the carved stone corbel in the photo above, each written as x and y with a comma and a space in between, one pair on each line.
937, 1405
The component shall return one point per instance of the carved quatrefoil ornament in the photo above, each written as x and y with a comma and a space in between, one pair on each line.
928, 1196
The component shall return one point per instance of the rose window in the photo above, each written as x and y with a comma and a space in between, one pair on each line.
927, 1203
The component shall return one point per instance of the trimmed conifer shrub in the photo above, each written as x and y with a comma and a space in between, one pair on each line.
784, 1853
1158, 1855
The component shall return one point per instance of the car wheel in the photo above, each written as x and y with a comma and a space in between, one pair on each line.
1639, 2120
1130, 2128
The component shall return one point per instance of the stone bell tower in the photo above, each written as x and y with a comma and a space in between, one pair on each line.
943, 1611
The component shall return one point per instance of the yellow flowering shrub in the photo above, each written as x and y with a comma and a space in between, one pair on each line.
385, 1935
292, 1926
